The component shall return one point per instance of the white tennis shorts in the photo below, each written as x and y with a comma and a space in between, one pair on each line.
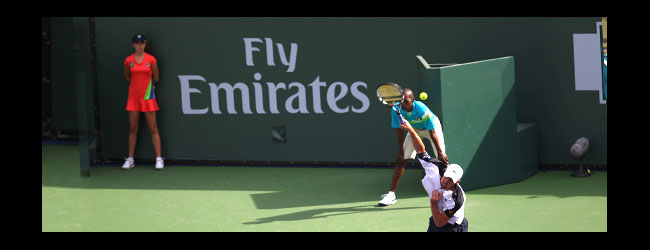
409, 151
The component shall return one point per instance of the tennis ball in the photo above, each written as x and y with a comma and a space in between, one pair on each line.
423, 96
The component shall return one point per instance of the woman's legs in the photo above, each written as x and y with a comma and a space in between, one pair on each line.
134, 118
153, 130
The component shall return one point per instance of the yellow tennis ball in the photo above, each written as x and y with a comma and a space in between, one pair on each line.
423, 96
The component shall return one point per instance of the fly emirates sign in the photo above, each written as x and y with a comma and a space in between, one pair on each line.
257, 94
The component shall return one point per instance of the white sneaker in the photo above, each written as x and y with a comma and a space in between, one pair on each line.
388, 199
128, 164
160, 164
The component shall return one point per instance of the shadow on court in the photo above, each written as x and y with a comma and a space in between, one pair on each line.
322, 213
289, 187
279, 187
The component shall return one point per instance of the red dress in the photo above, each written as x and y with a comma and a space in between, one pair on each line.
141, 89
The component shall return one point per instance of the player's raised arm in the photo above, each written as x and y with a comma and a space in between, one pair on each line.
415, 139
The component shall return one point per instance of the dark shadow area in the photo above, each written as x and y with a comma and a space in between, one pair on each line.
495, 159
493, 162
323, 213
489, 162
290, 187
279, 187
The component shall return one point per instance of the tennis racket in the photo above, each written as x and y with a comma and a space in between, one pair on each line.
390, 93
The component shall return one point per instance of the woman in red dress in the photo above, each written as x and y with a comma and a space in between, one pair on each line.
141, 70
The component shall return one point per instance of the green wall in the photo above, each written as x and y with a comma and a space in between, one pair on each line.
360, 53
475, 103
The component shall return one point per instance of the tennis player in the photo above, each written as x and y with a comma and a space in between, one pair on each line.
426, 125
141, 70
447, 198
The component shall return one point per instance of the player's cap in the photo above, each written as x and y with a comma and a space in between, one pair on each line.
454, 172
139, 37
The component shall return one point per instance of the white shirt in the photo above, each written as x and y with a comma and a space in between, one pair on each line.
431, 182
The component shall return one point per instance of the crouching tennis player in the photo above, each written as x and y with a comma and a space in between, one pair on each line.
447, 197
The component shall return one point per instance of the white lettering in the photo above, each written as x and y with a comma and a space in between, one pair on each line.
365, 104
292, 57
273, 104
302, 102
259, 98
289, 59
270, 60
315, 88
331, 99
332, 96
248, 49
185, 94
269, 52
230, 97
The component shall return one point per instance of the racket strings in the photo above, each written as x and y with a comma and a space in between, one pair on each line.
389, 94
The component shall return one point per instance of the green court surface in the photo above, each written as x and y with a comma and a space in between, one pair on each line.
288, 199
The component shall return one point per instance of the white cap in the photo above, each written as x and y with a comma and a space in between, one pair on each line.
454, 172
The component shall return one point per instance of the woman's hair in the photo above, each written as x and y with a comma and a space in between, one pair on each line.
147, 48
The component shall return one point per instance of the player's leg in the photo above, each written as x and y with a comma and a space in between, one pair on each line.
155, 137
398, 172
134, 119
424, 134
409, 153
439, 134
153, 130
390, 198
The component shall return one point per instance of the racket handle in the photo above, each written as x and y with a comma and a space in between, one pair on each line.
401, 120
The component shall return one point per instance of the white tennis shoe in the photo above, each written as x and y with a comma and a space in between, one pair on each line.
160, 164
388, 199
128, 164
